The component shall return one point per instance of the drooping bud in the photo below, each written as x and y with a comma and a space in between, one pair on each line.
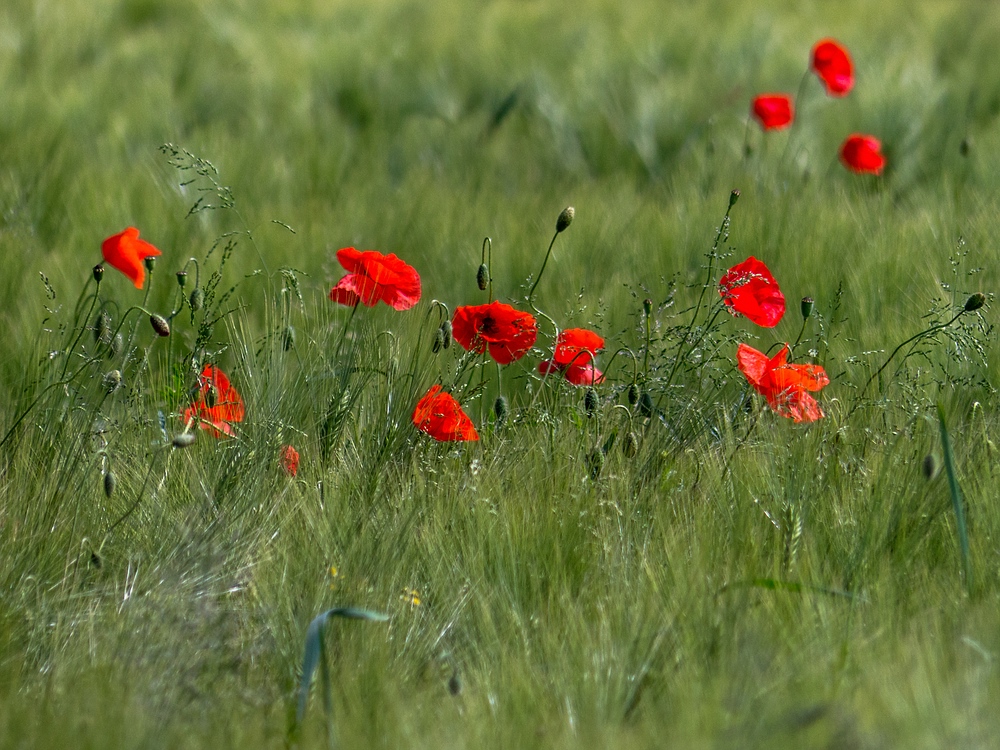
150, 262
438, 344
930, 467
565, 218
974, 302
500, 409
590, 402
647, 306
288, 339
98, 272
182, 278
197, 299
633, 394
807, 307
160, 325
446, 331
733, 197
183, 440
595, 463
646, 405
483, 277
112, 380
631, 445
109, 483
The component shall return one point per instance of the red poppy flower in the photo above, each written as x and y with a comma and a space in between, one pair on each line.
508, 333
217, 404
574, 357
372, 277
440, 416
832, 64
773, 111
862, 154
749, 289
784, 386
125, 251
289, 460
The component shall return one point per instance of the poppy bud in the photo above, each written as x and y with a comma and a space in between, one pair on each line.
112, 380
109, 483
446, 330
647, 306
288, 338
98, 273
974, 302
102, 328
963, 147
733, 197
807, 307
633, 394
183, 440
197, 299
182, 278
160, 324
482, 277
438, 344
646, 405
595, 462
590, 402
500, 408
631, 445
929, 468
117, 344
150, 262
454, 684
565, 218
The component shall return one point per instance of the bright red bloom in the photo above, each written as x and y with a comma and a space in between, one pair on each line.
773, 111
508, 333
832, 64
125, 251
749, 289
784, 386
574, 357
289, 460
440, 416
862, 154
372, 277
217, 404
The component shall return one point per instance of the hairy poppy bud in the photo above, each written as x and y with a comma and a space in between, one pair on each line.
733, 197
974, 302
182, 278
633, 394
646, 405
160, 324
112, 380
483, 277
197, 299
595, 463
565, 218
647, 306
183, 440
500, 409
447, 333
930, 467
438, 344
150, 262
807, 307
631, 445
117, 344
102, 328
590, 402
98, 273
109, 483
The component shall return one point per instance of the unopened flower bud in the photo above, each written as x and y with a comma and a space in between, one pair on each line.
929, 468
633, 394
447, 333
565, 218
150, 262
160, 325
590, 402
807, 307
183, 440
98, 272
974, 302
117, 344
197, 299
964, 146
733, 197
102, 328
595, 463
112, 380
647, 306
109, 483
646, 405
288, 339
182, 278
483, 277
438, 344
500, 409
631, 445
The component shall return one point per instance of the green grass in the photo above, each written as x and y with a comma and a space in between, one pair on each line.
740, 581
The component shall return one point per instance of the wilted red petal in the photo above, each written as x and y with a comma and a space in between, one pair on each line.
833, 65
375, 277
440, 416
125, 251
748, 288
862, 154
507, 333
773, 111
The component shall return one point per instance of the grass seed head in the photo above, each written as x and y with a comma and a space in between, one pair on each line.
288, 339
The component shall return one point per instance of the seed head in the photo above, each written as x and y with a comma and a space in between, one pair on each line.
565, 218
500, 409
483, 277
109, 483
647, 306
974, 302
160, 325
183, 440
98, 272
197, 299
930, 467
182, 278
807, 307
150, 262
590, 402
733, 197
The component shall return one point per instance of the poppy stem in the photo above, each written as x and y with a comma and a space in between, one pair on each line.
81, 328
541, 270
795, 120
343, 332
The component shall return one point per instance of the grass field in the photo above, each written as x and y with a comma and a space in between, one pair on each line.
690, 570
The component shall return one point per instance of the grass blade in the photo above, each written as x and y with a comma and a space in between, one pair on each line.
957, 502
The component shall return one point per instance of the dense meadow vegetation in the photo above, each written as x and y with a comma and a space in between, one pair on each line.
663, 555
